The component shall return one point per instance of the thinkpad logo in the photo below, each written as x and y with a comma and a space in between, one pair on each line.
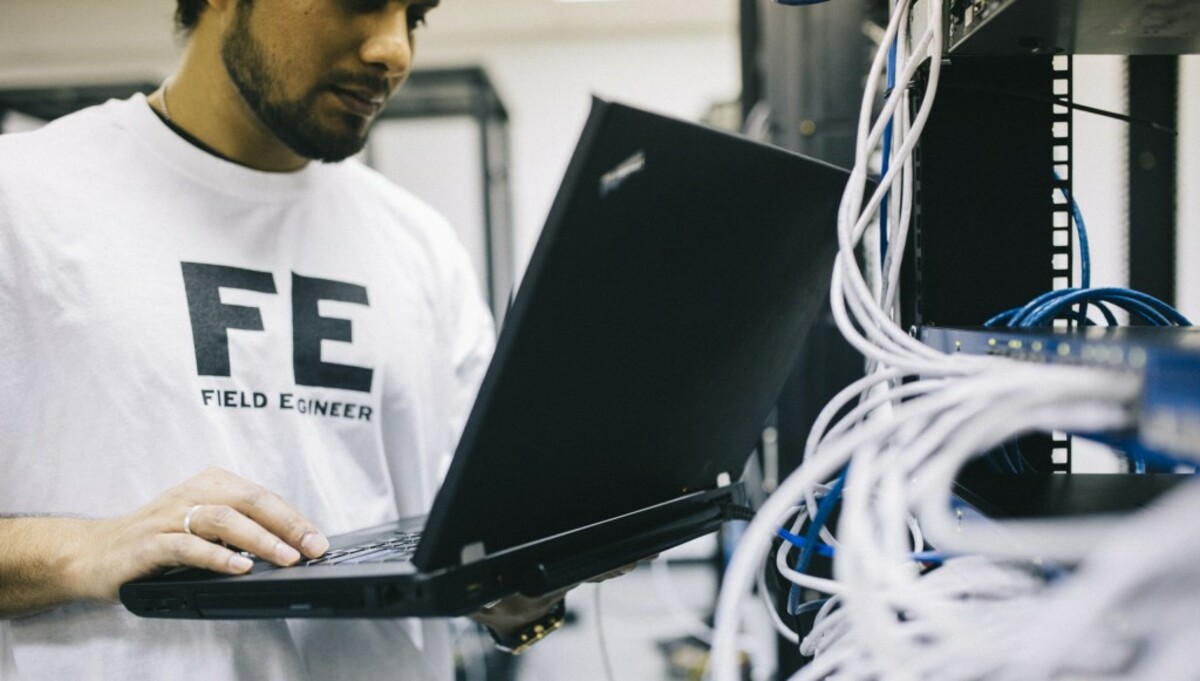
613, 179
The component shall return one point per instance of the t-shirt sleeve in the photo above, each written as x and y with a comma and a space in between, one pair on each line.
473, 340
8, 666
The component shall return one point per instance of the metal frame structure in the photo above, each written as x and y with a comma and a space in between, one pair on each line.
991, 232
1153, 96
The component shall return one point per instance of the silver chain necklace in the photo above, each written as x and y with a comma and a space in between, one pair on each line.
163, 95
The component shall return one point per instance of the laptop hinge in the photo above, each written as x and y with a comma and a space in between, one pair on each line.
724, 480
472, 553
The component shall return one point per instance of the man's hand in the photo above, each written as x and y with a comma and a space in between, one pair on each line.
510, 615
50, 561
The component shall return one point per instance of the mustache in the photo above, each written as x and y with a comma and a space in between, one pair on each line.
360, 81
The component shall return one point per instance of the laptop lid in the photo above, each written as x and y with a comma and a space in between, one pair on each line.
668, 296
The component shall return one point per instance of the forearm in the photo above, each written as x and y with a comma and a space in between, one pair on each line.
48, 561
39, 563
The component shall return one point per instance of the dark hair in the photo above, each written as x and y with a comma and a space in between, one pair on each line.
187, 13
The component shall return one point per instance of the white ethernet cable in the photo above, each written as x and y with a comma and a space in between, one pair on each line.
881, 339
1126, 612
896, 462
893, 621
885, 344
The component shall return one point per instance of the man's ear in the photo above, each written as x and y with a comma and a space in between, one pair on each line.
219, 13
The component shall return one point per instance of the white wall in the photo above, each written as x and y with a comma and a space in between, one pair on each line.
1101, 177
547, 85
81, 41
453, 185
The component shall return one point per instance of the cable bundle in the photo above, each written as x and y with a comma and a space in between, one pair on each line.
887, 612
967, 611
1043, 310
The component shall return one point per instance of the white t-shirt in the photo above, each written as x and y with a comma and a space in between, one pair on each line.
163, 310
8, 667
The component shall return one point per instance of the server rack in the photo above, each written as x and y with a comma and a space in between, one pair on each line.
993, 226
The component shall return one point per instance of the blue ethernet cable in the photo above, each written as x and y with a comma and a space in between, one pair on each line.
1085, 268
1109, 317
1151, 314
812, 606
1153, 310
1085, 253
1042, 310
799, 542
828, 551
887, 153
824, 510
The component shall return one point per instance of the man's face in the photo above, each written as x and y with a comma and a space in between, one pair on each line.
316, 73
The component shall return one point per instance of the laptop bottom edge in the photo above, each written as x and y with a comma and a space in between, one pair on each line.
383, 590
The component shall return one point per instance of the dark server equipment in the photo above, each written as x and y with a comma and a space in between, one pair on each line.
1022, 27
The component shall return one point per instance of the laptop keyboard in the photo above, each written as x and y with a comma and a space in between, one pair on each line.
399, 547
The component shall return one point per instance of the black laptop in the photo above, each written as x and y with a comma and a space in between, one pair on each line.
673, 285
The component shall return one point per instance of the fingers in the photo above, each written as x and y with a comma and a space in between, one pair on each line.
194, 524
510, 614
220, 523
238, 512
279, 518
181, 549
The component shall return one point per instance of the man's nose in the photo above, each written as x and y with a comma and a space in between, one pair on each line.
389, 44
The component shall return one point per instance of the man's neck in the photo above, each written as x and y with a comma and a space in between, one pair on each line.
160, 109
202, 101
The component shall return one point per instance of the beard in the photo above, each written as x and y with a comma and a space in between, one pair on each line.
292, 121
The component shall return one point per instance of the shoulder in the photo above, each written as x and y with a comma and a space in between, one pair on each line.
65, 147
86, 128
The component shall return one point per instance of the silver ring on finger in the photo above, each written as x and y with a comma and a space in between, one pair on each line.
187, 519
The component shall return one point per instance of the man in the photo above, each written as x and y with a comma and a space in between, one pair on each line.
189, 304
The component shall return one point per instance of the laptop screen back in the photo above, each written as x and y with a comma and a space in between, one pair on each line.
663, 307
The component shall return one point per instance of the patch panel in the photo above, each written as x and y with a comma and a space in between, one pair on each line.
1166, 359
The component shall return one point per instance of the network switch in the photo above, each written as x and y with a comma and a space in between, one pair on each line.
1166, 359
